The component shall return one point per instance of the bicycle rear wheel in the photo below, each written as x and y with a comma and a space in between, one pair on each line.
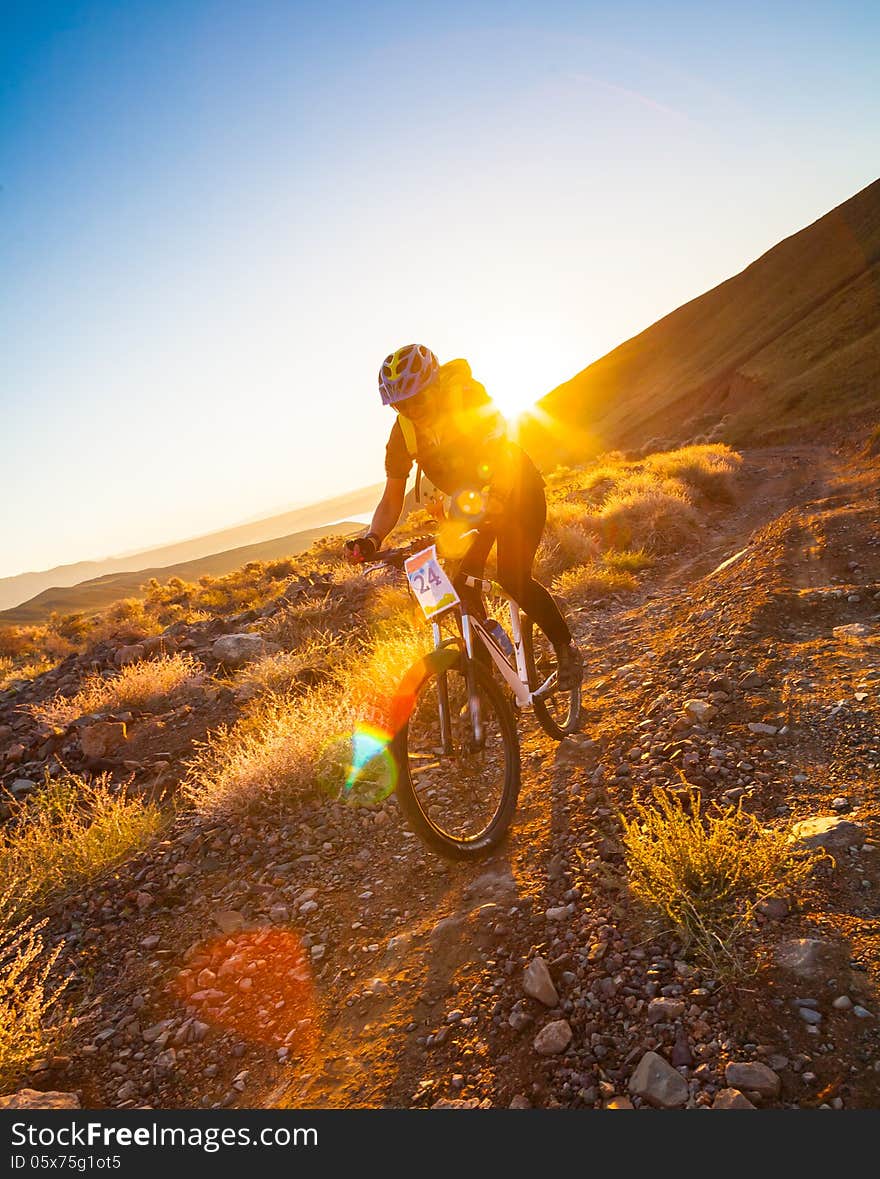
559, 713
460, 801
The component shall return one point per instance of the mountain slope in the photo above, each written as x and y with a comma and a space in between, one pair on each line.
25, 586
791, 341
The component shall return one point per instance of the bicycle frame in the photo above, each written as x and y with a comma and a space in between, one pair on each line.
516, 677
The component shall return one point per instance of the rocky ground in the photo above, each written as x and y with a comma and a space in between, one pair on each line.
321, 957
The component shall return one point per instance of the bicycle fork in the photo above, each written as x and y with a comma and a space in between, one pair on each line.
445, 711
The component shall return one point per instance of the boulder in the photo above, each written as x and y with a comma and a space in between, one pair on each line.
754, 1077
34, 1099
235, 650
830, 832
102, 739
808, 958
658, 1083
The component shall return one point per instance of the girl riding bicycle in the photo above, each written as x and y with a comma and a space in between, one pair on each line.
448, 425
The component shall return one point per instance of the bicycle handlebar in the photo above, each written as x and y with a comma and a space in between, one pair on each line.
395, 558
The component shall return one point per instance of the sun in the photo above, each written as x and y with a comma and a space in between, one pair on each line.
513, 392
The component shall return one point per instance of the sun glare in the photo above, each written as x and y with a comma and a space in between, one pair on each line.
516, 377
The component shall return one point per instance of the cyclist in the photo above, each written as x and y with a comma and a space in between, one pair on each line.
448, 425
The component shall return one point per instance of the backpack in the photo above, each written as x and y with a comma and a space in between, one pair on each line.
469, 411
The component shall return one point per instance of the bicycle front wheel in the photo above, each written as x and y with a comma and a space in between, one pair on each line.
458, 795
559, 713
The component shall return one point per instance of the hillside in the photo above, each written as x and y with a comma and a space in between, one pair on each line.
791, 342
267, 945
25, 586
90, 596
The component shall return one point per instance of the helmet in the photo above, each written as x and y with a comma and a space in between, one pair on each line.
406, 372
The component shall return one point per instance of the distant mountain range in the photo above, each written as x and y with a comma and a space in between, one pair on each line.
29, 597
791, 342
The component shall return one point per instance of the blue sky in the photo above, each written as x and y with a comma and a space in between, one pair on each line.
217, 218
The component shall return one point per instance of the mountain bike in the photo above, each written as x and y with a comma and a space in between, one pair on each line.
455, 746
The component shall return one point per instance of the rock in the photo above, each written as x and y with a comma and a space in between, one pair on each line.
700, 710
158, 645
808, 1015
102, 738
236, 650
229, 920
22, 786
34, 1099
776, 908
665, 1010
681, 1051
126, 655
619, 1103
279, 914
753, 1077
519, 1101
519, 1018
808, 957
828, 831
765, 730
852, 632
731, 1099
553, 1038
658, 1083
538, 984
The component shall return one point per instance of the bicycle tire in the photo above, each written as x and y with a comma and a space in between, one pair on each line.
448, 786
559, 715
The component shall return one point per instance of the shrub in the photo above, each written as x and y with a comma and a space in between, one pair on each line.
593, 581
704, 875
139, 685
68, 834
660, 519
628, 561
27, 998
709, 469
287, 671
278, 749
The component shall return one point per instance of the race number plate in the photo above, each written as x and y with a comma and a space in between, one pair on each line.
433, 590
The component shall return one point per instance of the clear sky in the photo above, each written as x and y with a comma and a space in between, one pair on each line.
216, 218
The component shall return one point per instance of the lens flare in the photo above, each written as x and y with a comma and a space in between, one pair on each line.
357, 768
255, 983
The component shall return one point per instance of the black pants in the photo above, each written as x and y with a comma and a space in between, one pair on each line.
518, 535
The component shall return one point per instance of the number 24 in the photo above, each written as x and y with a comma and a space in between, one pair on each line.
433, 579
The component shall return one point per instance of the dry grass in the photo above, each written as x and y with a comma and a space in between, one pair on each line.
280, 747
710, 470
290, 671
658, 518
27, 996
593, 580
628, 561
703, 876
70, 833
14, 671
139, 685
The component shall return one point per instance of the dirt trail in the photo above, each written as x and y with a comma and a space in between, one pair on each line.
418, 1019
